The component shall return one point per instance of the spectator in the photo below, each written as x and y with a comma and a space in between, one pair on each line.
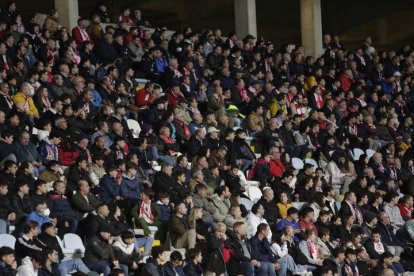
153, 265
27, 244
254, 218
193, 266
99, 255
174, 265
8, 264
180, 232
40, 214
83, 202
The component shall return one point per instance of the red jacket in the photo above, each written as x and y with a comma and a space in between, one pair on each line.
346, 82
143, 98
276, 167
405, 211
77, 36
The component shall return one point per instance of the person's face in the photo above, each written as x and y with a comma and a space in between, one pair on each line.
270, 195
183, 210
375, 237
4, 190
104, 211
352, 198
85, 187
25, 139
105, 235
237, 213
43, 189
181, 178
100, 142
324, 218
389, 261
8, 259
288, 180
13, 169
61, 188
200, 176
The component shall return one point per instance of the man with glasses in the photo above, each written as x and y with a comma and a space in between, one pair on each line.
27, 152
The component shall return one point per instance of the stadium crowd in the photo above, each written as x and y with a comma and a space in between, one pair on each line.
218, 119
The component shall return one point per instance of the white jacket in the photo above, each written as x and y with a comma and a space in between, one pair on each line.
252, 222
26, 268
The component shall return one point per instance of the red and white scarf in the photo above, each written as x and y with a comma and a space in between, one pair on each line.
145, 212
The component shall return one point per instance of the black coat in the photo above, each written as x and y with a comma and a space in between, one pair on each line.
163, 183
272, 213
192, 269
214, 256
98, 250
5, 207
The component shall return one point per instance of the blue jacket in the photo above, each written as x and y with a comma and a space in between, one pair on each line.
131, 188
61, 206
262, 250
109, 189
170, 271
35, 216
47, 149
165, 212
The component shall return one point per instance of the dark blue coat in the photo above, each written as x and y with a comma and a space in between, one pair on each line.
61, 206
109, 189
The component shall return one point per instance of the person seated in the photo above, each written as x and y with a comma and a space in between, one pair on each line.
27, 243
271, 214
40, 214
125, 251
181, 233
7, 213
144, 212
153, 265
62, 209
218, 251
8, 264
99, 256
83, 202
65, 265
221, 202
310, 249
194, 260
174, 265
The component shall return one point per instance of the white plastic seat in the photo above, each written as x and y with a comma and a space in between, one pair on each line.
298, 205
357, 153
254, 193
370, 153
247, 203
7, 240
297, 163
73, 243
312, 162
135, 127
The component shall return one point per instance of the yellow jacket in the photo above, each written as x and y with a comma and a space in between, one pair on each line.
25, 103
310, 83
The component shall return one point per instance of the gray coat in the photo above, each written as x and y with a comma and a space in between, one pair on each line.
209, 211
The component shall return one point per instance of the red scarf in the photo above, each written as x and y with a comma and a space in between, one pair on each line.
313, 249
145, 212
243, 95
319, 101
168, 140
